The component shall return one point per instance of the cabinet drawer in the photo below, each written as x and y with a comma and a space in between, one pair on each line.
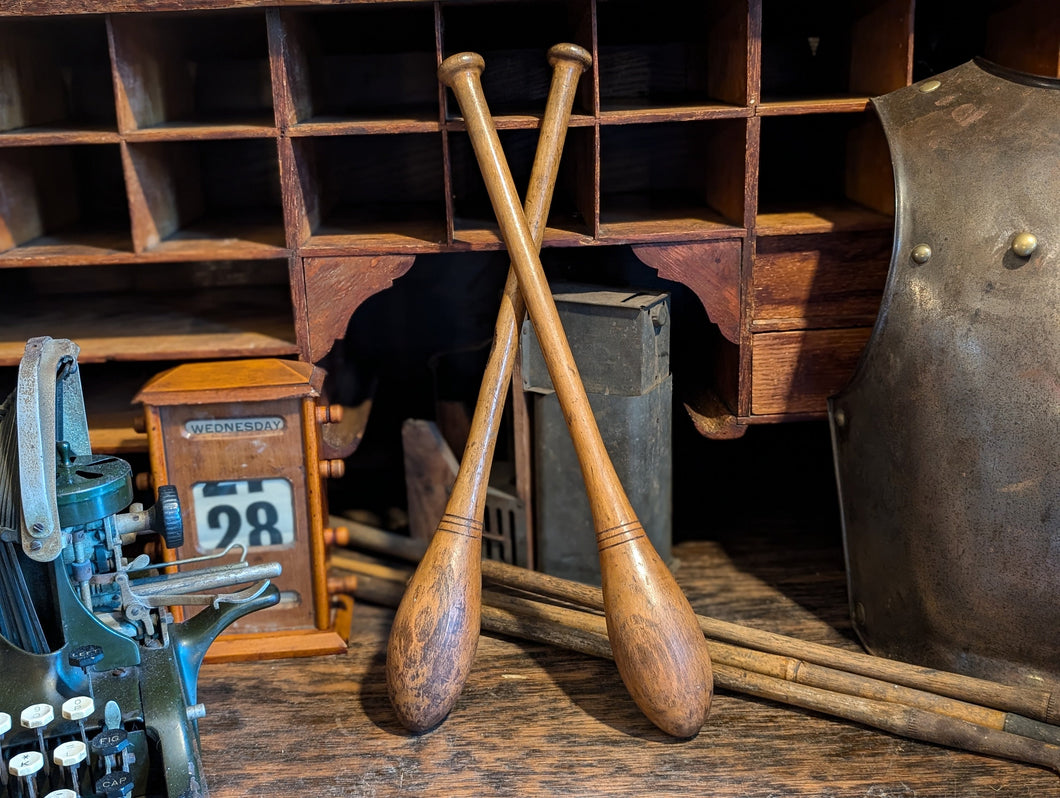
809, 281
796, 371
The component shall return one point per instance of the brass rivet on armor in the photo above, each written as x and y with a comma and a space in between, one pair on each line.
921, 253
930, 85
1024, 244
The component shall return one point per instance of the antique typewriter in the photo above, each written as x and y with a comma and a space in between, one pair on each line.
98, 696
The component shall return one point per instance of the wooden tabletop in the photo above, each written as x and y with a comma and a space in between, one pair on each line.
538, 721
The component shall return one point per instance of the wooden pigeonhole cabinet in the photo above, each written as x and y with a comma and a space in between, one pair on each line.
200, 179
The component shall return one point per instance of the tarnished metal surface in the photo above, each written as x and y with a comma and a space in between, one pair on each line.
946, 440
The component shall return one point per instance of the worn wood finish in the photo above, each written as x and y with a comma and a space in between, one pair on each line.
881, 47
171, 329
711, 270
810, 281
535, 720
335, 287
797, 371
658, 649
1025, 35
435, 633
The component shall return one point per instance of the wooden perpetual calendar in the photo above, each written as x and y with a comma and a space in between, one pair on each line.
240, 442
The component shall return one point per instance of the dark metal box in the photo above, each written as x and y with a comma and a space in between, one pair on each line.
620, 339
621, 342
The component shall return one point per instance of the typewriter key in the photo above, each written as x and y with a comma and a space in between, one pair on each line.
115, 785
25, 768
79, 708
69, 757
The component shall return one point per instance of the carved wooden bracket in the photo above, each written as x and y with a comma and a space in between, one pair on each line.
336, 287
710, 268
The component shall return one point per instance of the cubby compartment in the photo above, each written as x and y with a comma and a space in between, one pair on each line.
687, 59
371, 193
823, 173
513, 39
189, 199
675, 180
55, 80
570, 219
189, 73
1019, 34
819, 54
63, 202
358, 69
165, 311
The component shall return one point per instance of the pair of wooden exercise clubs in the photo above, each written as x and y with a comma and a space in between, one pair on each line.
658, 646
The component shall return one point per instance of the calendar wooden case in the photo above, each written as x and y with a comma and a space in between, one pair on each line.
240, 442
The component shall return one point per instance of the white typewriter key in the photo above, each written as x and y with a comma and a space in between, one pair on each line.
25, 764
78, 708
69, 757
63, 793
71, 753
25, 768
36, 716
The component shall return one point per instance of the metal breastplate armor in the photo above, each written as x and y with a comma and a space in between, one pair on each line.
946, 439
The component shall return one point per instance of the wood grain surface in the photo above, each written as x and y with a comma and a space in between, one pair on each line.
537, 721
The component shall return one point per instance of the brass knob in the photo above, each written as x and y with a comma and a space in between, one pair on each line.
1024, 244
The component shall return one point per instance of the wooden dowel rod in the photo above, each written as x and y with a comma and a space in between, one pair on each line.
1037, 704
774, 665
1040, 705
586, 633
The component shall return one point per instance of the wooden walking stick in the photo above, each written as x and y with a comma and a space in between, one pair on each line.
660, 652
435, 631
